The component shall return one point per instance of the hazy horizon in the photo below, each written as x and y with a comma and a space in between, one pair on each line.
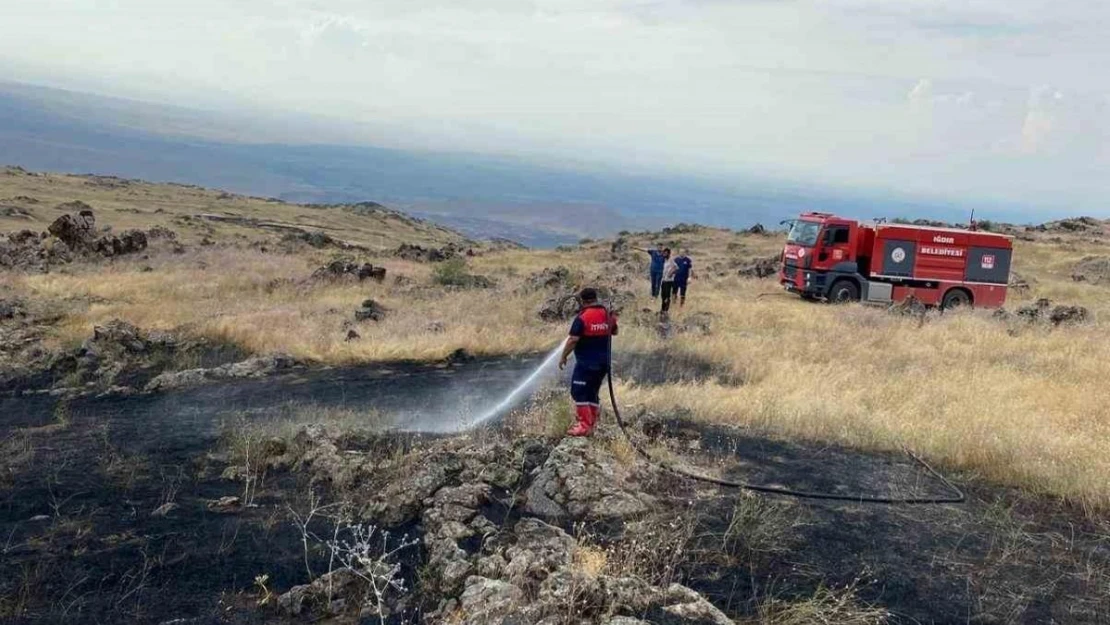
977, 100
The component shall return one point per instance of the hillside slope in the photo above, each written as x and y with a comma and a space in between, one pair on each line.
31, 200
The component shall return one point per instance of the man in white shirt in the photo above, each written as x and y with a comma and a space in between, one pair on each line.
670, 270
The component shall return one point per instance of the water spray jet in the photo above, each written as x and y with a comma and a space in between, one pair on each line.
443, 424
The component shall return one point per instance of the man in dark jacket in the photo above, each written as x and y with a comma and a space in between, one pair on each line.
590, 341
684, 275
658, 258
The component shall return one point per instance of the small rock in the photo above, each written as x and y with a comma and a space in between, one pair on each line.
487, 600
10, 309
1068, 315
346, 268
161, 232
460, 355
353, 336
371, 311
164, 509
226, 504
1019, 284
757, 229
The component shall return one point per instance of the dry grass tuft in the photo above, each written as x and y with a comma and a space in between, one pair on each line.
826, 607
590, 560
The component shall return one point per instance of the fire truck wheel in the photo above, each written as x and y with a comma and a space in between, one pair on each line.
844, 291
955, 298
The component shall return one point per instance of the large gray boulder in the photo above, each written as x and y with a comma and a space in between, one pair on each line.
578, 481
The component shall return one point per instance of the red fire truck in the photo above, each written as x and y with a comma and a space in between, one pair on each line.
840, 260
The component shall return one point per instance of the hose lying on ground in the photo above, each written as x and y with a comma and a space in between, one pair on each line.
956, 497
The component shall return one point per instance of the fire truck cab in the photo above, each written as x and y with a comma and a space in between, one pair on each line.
840, 260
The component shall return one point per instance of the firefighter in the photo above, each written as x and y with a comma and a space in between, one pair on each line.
590, 341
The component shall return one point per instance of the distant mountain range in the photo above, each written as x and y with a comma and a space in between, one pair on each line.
483, 196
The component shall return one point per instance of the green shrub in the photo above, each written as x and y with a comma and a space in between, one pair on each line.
453, 272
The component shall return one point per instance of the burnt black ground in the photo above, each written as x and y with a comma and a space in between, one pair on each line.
96, 468
1001, 557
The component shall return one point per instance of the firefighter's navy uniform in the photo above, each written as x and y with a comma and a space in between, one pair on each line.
593, 326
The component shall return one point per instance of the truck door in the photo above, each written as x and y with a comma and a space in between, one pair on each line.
836, 246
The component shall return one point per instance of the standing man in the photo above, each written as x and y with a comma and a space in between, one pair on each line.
670, 270
684, 275
657, 260
590, 340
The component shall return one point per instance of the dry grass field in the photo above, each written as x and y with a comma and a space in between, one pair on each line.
1018, 404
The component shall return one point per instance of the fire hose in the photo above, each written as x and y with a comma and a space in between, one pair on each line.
957, 495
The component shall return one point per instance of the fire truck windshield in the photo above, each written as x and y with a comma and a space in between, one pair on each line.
804, 233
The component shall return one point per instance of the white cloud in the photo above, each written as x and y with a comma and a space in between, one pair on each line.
923, 95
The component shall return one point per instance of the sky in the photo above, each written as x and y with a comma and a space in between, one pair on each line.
1001, 100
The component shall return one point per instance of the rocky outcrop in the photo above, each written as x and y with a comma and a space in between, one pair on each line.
346, 268
565, 305
761, 267
161, 232
578, 482
26, 250
550, 278
420, 254
68, 238
1074, 224
258, 367
559, 308
1092, 270
76, 231
1044, 312
115, 347
316, 239
129, 242
487, 556
533, 577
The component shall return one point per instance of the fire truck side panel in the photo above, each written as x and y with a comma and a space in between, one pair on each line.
988, 264
897, 257
940, 262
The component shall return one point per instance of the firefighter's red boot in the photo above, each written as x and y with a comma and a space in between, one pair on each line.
595, 414
585, 424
